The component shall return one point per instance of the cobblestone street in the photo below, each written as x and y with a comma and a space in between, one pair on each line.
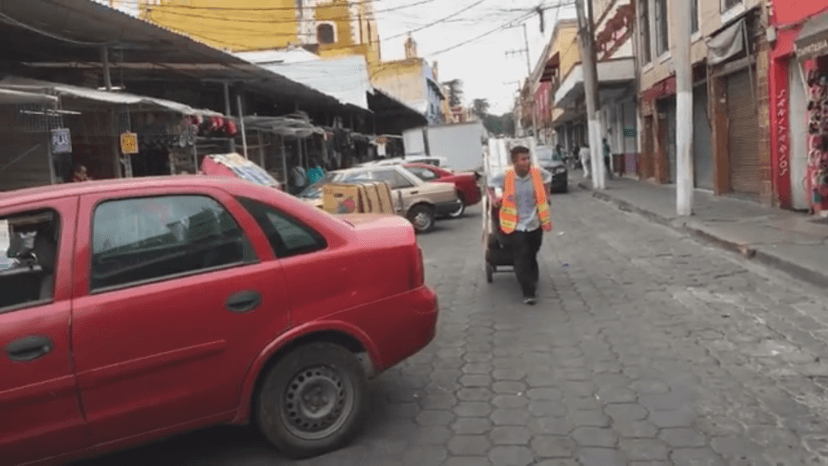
645, 348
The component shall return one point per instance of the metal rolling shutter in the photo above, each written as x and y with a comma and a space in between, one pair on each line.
742, 135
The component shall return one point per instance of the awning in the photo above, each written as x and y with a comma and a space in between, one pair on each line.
611, 73
726, 44
813, 38
46, 88
8, 96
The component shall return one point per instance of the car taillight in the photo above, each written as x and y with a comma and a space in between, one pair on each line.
418, 275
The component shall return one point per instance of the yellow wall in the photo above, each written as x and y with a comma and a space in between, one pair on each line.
567, 45
402, 79
661, 68
268, 24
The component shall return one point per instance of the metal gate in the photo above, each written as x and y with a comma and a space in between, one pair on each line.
702, 141
670, 108
742, 135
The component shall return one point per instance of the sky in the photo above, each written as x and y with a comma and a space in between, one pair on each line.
483, 65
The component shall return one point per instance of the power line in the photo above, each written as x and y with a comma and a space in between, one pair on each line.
294, 20
438, 21
508, 25
140, 3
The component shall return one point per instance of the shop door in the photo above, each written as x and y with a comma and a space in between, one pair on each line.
670, 110
702, 145
742, 135
798, 115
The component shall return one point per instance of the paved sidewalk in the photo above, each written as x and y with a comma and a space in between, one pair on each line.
786, 240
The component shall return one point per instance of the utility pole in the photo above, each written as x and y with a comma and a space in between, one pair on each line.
525, 50
684, 113
589, 61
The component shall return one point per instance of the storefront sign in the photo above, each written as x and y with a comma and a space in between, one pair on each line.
782, 131
61, 141
129, 143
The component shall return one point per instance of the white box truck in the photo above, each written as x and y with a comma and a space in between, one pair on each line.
461, 144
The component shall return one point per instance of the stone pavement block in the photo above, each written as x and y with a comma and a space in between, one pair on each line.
511, 456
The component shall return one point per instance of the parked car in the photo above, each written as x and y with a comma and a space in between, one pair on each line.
163, 305
420, 202
560, 175
441, 162
468, 191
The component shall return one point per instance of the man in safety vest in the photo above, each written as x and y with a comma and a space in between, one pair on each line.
524, 216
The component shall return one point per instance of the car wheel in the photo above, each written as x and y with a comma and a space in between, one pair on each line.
422, 217
489, 273
461, 209
311, 401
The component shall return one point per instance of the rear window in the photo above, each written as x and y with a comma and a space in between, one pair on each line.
287, 235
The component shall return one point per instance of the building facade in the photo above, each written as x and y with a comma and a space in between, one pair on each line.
797, 75
729, 53
329, 28
412, 81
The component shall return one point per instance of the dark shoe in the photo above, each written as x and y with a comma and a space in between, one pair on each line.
529, 301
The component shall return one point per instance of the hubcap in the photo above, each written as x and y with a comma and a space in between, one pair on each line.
422, 220
459, 210
317, 402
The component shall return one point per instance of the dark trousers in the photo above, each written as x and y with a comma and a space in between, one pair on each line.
525, 247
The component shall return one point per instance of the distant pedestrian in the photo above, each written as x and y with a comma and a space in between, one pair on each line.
607, 155
315, 172
525, 216
80, 174
586, 161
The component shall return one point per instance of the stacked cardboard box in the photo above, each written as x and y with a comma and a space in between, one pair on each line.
362, 197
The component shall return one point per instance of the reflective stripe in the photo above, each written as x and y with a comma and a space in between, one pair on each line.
508, 208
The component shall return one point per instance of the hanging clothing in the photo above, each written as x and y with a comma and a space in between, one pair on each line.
525, 206
315, 174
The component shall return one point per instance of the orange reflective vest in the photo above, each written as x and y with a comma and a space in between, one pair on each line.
508, 208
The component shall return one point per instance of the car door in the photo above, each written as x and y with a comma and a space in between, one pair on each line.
176, 292
40, 413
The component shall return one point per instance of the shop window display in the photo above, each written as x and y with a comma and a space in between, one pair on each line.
817, 174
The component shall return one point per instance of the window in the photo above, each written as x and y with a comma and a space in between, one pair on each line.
287, 236
145, 239
28, 258
694, 20
424, 174
728, 4
325, 34
662, 28
392, 177
646, 55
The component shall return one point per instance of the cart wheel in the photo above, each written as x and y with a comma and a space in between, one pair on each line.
489, 273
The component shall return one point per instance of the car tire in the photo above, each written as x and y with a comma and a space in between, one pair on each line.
300, 389
460, 210
489, 273
422, 217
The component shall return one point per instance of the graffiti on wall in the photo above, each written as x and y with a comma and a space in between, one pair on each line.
782, 131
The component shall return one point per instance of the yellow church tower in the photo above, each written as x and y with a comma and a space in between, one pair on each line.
330, 28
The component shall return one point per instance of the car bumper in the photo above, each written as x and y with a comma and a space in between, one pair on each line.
445, 208
560, 182
406, 328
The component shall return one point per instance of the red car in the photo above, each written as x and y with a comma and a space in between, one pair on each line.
468, 190
163, 305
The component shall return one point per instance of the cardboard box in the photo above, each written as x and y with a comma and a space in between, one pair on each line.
386, 198
341, 199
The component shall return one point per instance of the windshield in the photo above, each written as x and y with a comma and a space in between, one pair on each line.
314, 191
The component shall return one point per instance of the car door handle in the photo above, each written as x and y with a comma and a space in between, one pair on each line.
414, 192
28, 348
243, 301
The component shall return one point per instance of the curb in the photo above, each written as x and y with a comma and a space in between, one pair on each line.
763, 257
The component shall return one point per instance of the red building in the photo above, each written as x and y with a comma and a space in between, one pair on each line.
798, 88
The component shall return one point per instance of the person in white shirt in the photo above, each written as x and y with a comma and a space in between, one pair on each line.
585, 160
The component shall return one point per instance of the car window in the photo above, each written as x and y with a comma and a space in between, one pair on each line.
28, 257
144, 239
287, 235
423, 173
398, 181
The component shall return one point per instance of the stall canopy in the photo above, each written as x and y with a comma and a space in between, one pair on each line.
48, 90
813, 38
282, 126
726, 44
71, 34
346, 79
11, 97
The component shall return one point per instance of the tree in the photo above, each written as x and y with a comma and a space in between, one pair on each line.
480, 107
455, 91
